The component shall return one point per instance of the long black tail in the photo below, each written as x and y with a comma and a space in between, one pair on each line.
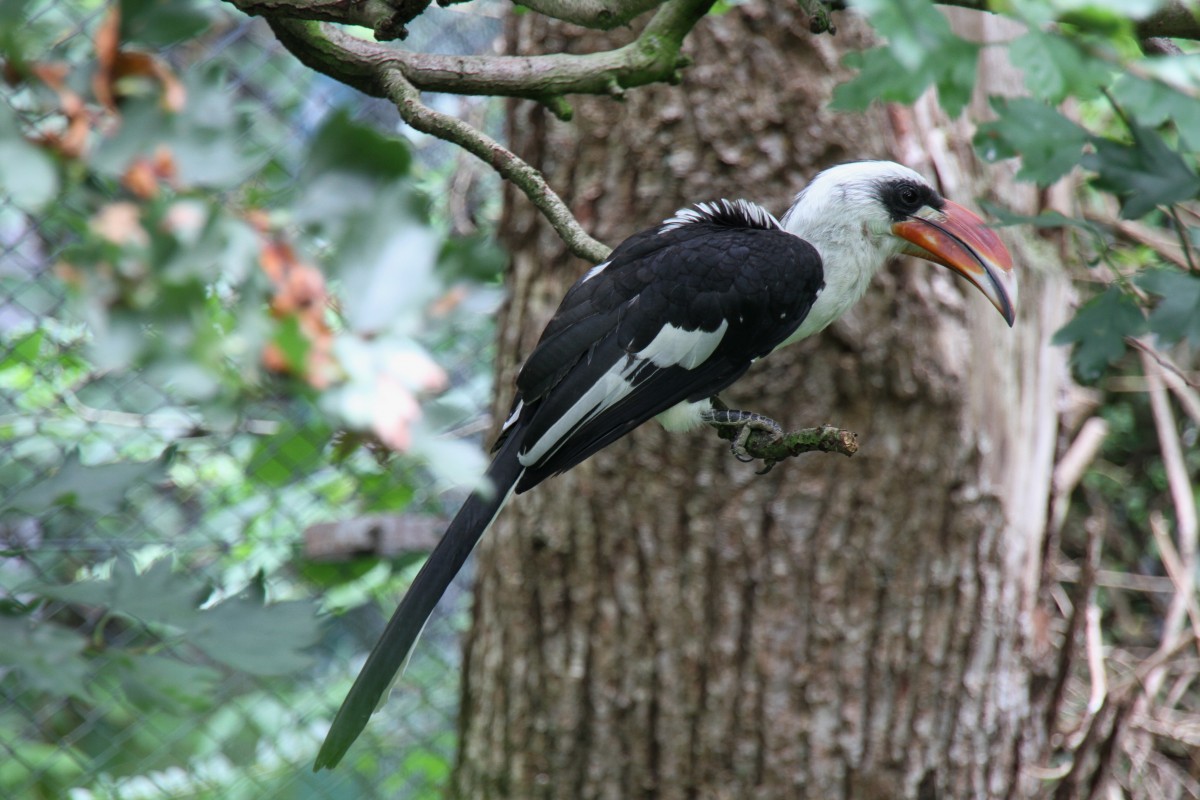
409, 618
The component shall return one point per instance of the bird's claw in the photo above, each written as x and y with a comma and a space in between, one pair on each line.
748, 424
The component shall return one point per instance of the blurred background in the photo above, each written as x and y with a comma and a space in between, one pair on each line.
229, 289
246, 344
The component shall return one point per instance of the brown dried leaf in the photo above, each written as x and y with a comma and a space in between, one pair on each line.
136, 64
140, 179
120, 223
108, 47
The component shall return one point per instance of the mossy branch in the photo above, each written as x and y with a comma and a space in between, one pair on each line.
399, 75
771, 450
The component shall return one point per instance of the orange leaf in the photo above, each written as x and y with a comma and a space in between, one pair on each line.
108, 45
136, 64
275, 258
120, 223
140, 179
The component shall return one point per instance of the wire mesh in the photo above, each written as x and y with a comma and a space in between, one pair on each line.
163, 632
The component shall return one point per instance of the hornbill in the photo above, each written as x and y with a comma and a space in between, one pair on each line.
676, 314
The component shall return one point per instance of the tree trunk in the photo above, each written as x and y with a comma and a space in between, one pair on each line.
662, 622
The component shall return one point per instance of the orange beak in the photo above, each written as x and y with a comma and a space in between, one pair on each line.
954, 237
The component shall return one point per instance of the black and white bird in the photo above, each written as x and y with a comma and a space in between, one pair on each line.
675, 315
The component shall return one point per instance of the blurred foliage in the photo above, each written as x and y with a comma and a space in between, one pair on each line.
1123, 128
1137, 143
224, 309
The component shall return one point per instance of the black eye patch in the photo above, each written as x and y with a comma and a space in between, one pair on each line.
904, 198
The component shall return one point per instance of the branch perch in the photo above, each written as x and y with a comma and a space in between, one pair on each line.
825, 439
651, 58
400, 76
508, 164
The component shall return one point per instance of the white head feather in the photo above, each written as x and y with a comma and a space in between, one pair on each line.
841, 214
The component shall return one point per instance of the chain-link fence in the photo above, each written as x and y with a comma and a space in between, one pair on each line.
203, 527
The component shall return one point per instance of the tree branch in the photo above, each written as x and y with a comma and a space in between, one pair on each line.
526, 178
601, 15
651, 58
825, 439
387, 18
401, 75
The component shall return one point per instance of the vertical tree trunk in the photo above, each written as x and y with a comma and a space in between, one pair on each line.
662, 622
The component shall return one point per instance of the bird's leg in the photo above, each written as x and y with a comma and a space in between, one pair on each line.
746, 422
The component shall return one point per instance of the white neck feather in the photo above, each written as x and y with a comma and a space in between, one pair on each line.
839, 214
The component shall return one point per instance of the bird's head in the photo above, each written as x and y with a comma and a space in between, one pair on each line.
860, 214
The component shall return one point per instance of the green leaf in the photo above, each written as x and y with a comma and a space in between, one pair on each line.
28, 175
100, 488
343, 145
882, 77
1144, 174
1177, 316
156, 596
1055, 68
23, 352
291, 454
476, 258
156, 683
1153, 103
243, 633
1048, 143
50, 657
292, 343
386, 268
161, 23
1099, 329
921, 50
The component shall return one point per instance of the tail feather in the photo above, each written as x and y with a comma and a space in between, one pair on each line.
406, 624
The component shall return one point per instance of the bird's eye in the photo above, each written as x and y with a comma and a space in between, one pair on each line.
909, 195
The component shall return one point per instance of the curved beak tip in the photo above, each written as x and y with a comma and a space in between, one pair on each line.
958, 239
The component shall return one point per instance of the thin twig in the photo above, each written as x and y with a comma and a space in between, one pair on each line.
1095, 657
508, 164
1161, 359
1181, 232
1184, 598
1186, 523
1113, 579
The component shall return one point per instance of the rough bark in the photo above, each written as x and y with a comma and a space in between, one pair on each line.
661, 622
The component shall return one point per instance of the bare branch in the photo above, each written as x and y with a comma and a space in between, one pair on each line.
387, 18
599, 14
1161, 358
825, 439
651, 58
527, 179
401, 75
382, 535
1184, 500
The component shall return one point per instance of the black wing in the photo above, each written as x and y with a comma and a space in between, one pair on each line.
676, 314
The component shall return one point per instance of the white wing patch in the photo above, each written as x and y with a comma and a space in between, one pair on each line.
728, 212
672, 347
594, 271
605, 393
679, 347
513, 416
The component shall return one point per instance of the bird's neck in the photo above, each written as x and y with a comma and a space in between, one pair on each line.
850, 257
